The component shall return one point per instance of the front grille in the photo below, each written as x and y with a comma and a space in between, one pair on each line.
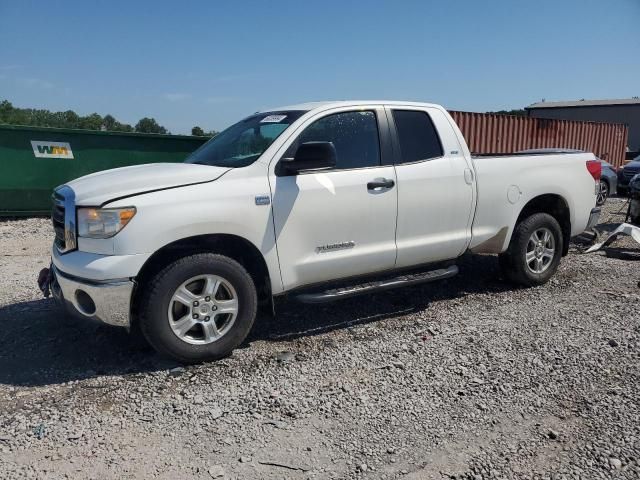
57, 217
63, 217
630, 173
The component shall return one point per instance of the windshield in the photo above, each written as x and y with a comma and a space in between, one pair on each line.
242, 143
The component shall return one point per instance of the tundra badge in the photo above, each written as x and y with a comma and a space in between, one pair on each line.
335, 246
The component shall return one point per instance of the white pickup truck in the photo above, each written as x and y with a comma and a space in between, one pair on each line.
318, 201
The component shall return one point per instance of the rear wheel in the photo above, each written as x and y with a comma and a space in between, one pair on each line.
199, 308
603, 192
534, 252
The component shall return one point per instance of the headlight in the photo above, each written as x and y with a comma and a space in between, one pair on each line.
103, 222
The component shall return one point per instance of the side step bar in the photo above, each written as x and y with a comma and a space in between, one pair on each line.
376, 286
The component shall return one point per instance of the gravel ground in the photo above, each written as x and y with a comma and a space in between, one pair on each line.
468, 379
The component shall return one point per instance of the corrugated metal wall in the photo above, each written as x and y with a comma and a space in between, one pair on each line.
490, 133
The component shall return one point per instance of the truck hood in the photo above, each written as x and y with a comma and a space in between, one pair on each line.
98, 188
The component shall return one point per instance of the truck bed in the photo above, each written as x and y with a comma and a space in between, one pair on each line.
507, 182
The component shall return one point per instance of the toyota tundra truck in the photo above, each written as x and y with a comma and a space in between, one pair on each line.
318, 202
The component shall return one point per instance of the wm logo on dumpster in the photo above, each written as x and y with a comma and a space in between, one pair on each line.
43, 149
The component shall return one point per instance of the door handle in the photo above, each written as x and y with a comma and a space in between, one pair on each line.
380, 183
468, 176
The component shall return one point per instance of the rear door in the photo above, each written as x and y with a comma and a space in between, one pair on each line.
435, 187
337, 223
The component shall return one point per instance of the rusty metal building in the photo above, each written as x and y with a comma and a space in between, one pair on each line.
493, 133
626, 110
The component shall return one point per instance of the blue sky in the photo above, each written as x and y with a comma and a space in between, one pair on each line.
210, 63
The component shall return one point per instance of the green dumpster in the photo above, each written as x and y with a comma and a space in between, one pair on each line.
34, 160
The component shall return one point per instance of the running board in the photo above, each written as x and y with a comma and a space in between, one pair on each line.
377, 286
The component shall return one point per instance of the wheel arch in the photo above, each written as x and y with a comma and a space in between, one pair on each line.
232, 246
554, 205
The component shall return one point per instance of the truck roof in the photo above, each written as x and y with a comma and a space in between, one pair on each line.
346, 103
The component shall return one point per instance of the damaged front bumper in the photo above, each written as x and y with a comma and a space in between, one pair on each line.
108, 301
623, 229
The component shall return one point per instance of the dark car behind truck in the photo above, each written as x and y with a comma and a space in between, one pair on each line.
625, 175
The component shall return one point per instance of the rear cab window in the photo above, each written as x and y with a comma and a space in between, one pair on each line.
417, 136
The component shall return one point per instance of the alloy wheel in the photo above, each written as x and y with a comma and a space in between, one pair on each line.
203, 309
603, 192
541, 249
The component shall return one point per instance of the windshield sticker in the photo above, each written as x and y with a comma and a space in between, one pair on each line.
273, 119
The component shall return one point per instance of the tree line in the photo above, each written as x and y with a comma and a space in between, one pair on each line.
199, 132
36, 117
519, 112
69, 119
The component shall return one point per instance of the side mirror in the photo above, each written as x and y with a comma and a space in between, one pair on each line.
312, 156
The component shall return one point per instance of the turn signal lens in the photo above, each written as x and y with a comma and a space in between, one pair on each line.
126, 215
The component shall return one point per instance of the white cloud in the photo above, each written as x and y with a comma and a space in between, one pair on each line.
176, 97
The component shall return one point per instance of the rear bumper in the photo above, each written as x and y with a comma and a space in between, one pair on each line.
594, 217
108, 301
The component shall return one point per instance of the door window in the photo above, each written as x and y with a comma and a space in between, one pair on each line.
418, 136
353, 134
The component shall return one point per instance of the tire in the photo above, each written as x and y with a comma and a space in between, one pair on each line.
603, 193
543, 252
180, 320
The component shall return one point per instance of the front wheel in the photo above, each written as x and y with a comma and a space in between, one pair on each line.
198, 308
534, 252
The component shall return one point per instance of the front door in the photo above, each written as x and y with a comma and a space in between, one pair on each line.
341, 222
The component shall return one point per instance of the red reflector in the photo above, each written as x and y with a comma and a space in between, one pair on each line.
595, 169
